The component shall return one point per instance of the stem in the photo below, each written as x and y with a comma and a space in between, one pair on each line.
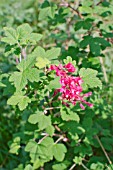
4, 161
20, 58
103, 150
72, 167
104, 70
43, 138
66, 4
17, 60
76, 10
108, 167
57, 128
99, 2
59, 139
23, 51
41, 168
45, 134
84, 166
52, 108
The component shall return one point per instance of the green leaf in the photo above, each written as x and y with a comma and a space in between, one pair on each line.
69, 60
61, 166
24, 32
20, 100
33, 119
3, 84
14, 147
42, 120
32, 147
50, 130
28, 167
44, 13
22, 35
19, 167
53, 53
95, 48
26, 73
89, 77
85, 24
44, 57
67, 115
40, 150
18, 79
38, 163
34, 37
78, 160
59, 151
85, 9
102, 41
41, 62
54, 84
97, 166
11, 36
95, 43
41, 59
39, 52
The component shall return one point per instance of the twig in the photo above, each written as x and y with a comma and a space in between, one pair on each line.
103, 68
57, 128
52, 108
108, 167
99, 3
66, 4
103, 150
59, 139
43, 138
45, 134
84, 166
17, 62
72, 167
23, 51
20, 58
4, 161
76, 10
49, 45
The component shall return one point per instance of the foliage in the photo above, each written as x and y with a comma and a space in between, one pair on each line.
43, 42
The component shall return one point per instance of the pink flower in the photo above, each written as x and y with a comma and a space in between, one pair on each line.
59, 70
52, 67
82, 106
71, 88
70, 68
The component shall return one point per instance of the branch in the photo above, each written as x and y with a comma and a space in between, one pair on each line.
72, 167
17, 61
84, 166
43, 138
23, 51
52, 108
66, 4
103, 68
103, 150
76, 10
59, 139
99, 3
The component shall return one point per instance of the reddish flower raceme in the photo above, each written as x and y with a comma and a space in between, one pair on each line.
71, 89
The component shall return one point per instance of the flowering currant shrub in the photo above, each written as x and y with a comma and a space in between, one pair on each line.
56, 86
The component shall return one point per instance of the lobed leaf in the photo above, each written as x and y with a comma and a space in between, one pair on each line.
89, 77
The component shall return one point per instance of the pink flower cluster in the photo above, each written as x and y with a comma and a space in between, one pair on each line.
71, 88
